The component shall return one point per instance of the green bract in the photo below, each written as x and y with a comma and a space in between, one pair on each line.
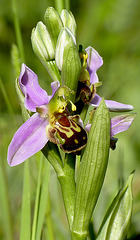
71, 68
92, 170
117, 218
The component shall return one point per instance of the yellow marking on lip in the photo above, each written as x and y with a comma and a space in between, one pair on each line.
76, 141
69, 131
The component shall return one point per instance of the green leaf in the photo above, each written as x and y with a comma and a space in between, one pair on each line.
92, 170
117, 219
25, 231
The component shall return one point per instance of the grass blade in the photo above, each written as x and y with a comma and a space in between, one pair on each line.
5, 206
25, 230
8, 103
36, 209
43, 199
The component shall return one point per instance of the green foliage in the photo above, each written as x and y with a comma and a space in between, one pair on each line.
117, 219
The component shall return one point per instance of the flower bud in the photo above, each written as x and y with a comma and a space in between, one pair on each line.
43, 48
69, 21
64, 38
41, 42
53, 23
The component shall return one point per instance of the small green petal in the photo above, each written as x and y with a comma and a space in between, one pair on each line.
69, 21
117, 219
53, 23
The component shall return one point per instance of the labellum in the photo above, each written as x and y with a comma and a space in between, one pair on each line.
67, 132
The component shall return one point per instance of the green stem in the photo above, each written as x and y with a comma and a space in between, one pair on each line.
8, 103
67, 5
17, 30
25, 232
49, 220
51, 152
67, 182
5, 204
59, 5
37, 201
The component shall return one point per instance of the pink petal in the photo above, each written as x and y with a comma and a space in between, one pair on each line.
112, 105
94, 62
121, 123
34, 95
29, 139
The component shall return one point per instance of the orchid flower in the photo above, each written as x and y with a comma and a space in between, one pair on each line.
94, 62
49, 117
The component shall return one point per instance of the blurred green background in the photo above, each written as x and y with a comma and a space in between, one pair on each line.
113, 29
